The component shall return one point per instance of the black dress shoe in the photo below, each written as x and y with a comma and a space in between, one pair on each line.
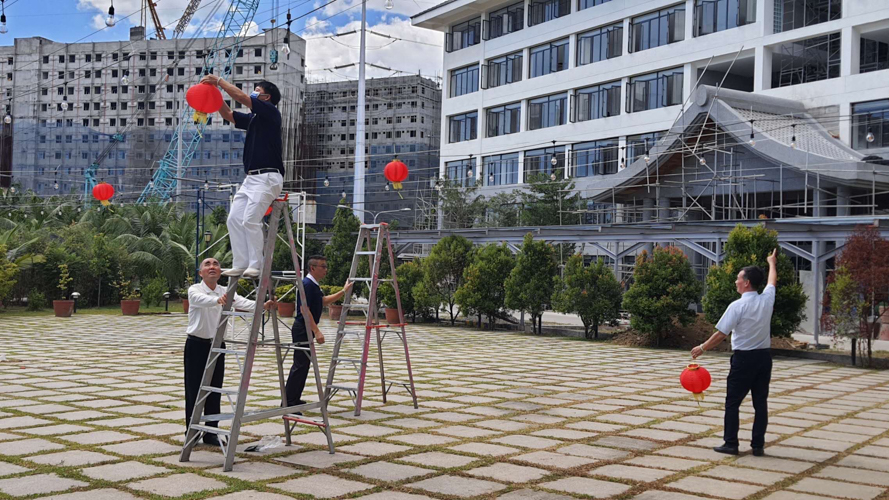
211, 439
728, 450
758, 452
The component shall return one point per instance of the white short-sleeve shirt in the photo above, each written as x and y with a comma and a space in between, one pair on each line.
749, 319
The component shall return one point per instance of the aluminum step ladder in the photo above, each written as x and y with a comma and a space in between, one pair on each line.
244, 352
368, 246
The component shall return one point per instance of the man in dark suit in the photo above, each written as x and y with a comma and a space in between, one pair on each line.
315, 300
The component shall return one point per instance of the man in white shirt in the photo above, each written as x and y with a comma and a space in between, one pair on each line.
748, 320
205, 301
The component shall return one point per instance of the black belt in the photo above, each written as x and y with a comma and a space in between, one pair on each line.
263, 171
199, 339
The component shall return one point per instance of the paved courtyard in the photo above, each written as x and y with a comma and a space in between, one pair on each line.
91, 409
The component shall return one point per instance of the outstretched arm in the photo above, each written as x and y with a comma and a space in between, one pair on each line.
773, 267
227, 113
230, 89
330, 299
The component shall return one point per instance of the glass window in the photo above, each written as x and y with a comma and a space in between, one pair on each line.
638, 145
793, 14
586, 4
464, 80
458, 171
663, 27
463, 127
870, 124
600, 44
541, 12
655, 90
549, 58
503, 70
504, 21
540, 162
502, 120
502, 169
599, 101
874, 55
463, 35
712, 16
547, 111
594, 158
805, 61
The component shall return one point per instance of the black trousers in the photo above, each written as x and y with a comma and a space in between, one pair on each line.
197, 350
751, 371
296, 380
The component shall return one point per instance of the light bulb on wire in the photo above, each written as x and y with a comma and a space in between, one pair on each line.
326, 182
703, 161
110, 22
387, 187
870, 136
125, 80
552, 176
285, 48
390, 4
647, 159
7, 119
3, 28
793, 137
490, 178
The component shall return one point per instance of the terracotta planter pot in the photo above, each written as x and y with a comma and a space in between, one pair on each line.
334, 311
63, 308
392, 316
130, 307
185, 306
884, 316
884, 331
286, 309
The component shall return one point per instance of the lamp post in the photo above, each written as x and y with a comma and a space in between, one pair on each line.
74, 297
166, 301
207, 237
376, 214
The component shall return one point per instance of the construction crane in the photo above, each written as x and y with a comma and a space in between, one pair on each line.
188, 134
91, 171
154, 17
186, 18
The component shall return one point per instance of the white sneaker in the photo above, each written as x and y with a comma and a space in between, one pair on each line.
233, 272
251, 272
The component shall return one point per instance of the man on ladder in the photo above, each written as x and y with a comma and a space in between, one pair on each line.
205, 301
315, 300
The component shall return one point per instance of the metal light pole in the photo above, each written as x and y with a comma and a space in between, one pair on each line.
358, 188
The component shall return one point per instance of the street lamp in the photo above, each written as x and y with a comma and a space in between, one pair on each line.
207, 236
376, 214
166, 301
74, 297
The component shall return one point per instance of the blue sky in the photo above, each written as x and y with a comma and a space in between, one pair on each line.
73, 20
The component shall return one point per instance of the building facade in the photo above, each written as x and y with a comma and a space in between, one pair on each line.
621, 97
67, 101
402, 119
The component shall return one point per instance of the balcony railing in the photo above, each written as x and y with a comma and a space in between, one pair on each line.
665, 28
659, 92
601, 102
712, 16
541, 12
503, 24
496, 74
468, 37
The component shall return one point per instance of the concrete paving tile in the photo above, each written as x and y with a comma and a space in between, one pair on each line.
464, 431
73, 458
318, 459
458, 486
664, 495
177, 485
773, 464
40, 483
28, 447
143, 447
533, 495
836, 488
586, 486
19, 422
373, 448
422, 439
252, 495
395, 495
598, 452
438, 459
487, 449
101, 494
714, 487
256, 471
199, 459
99, 437
854, 475
123, 471
792, 495
509, 473
620, 471
387, 471
728, 473
7, 469
525, 441
549, 459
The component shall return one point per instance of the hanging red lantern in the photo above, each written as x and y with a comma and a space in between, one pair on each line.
103, 192
396, 172
695, 379
205, 99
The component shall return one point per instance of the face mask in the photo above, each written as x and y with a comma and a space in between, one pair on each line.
254, 94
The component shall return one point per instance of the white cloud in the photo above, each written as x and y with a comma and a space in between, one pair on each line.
402, 7
325, 53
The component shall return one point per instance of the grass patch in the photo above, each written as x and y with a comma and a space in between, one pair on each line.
114, 309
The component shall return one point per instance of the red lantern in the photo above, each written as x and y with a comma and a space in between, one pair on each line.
396, 172
695, 379
103, 192
205, 99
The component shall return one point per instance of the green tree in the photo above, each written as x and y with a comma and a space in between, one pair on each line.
341, 247
547, 202
219, 215
845, 302
750, 247
502, 210
484, 282
409, 274
153, 291
8, 273
443, 270
461, 206
530, 285
592, 292
664, 286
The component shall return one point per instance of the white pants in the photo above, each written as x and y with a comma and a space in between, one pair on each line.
245, 218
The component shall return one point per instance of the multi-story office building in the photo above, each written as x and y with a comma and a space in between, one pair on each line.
671, 110
402, 119
67, 101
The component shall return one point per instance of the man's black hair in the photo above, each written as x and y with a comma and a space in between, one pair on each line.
272, 90
754, 275
314, 260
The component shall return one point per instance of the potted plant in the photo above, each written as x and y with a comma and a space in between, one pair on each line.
286, 297
63, 308
129, 298
386, 293
183, 294
334, 310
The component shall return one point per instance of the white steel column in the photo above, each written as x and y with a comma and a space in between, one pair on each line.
358, 186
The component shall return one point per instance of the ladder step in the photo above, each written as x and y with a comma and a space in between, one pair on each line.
370, 279
211, 430
220, 390
344, 387
357, 306
371, 252
240, 314
345, 360
228, 351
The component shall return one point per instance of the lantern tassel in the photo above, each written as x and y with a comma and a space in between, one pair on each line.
699, 396
396, 185
105, 202
199, 117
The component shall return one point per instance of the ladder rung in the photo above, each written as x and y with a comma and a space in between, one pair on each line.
303, 420
211, 429
370, 226
344, 387
220, 390
357, 306
374, 326
345, 360
218, 417
227, 351
240, 314
370, 279
366, 253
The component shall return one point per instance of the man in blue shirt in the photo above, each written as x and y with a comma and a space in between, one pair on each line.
315, 300
264, 166
748, 320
